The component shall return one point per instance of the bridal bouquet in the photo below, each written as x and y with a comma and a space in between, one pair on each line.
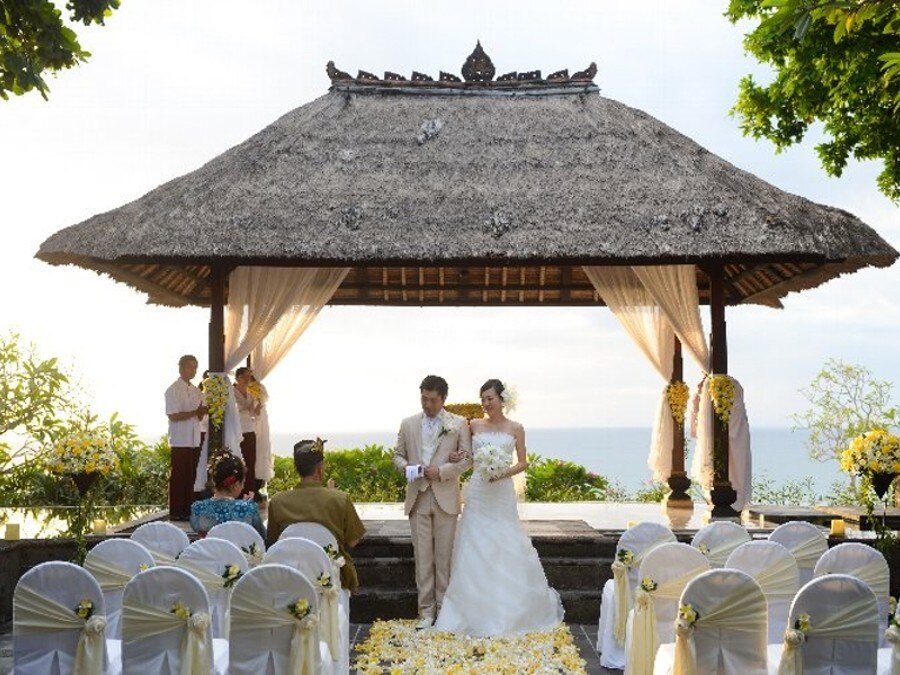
491, 461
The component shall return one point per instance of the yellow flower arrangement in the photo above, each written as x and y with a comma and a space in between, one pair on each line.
471, 411
688, 614
875, 451
803, 623
181, 611
85, 609
299, 609
216, 388
677, 394
257, 391
231, 575
324, 580
721, 391
397, 648
83, 452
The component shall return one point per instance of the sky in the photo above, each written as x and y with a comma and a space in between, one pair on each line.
172, 84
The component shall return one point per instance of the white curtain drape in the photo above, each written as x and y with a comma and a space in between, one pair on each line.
644, 320
268, 309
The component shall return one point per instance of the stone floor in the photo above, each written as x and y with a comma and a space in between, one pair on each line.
585, 636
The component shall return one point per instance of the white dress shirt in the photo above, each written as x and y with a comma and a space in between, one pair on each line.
182, 397
431, 428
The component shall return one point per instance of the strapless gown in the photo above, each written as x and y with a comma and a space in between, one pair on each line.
497, 584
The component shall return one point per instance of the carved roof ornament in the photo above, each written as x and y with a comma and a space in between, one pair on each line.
478, 67
477, 73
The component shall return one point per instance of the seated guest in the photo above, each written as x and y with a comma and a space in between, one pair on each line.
313, 502
227, 472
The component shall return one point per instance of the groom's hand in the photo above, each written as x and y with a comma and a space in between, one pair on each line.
432, 473
456, 456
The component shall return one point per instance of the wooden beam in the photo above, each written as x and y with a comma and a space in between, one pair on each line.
217, 279
143, 283
786, 283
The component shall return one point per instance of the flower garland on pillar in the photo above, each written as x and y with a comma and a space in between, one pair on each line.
677, 394
721, 391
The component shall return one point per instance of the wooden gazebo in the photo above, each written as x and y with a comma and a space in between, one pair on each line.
481, 190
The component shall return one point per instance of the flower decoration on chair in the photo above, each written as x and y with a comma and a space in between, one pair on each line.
688, 614
324, 581
253, 555
648, 584
83, 452
797, 635
704, 549
180, 610
510, 398
721, 391
336, 558
216, 388
626, 557
85, 609
231, 575
300, 610
677, 394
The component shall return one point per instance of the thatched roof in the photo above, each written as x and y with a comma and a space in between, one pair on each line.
468, 193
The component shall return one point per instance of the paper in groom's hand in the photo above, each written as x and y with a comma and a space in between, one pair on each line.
414, 472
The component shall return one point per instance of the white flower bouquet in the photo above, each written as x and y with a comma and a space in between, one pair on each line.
490, 461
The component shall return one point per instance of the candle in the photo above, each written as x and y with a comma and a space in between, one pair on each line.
12, 531
99, 526
631, 523
837, 527
762, 520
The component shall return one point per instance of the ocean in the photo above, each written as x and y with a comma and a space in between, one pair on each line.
620, 453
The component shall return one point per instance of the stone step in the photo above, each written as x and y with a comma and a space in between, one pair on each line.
374, 603
562, 573
597, 546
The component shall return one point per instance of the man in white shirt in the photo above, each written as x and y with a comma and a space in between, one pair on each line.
184, 408
433, 450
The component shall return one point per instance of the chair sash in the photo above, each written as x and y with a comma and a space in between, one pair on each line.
807, 553
622, 598
778, 580
718, 554
304, 640
110, 577
253, 559
892, 635
161, 558
143, 621
850, 622
330, 611
874, 573
35, 613
738, 611
644, 633
214, 584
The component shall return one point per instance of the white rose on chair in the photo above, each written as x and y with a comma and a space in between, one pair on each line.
490, 461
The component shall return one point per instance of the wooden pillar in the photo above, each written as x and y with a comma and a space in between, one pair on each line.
723, 494
217, 277
679, 483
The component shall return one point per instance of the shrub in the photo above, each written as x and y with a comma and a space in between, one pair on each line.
556, 480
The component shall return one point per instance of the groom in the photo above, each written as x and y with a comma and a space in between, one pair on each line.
423, 454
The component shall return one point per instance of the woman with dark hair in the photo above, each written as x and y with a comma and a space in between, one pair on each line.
497, 585
228, 474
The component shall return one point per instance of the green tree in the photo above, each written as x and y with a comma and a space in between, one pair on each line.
834, 61
35, 39
845, 400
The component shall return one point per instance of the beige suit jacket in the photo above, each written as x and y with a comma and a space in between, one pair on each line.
409, 451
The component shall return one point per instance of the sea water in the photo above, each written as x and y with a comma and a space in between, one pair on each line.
620, 453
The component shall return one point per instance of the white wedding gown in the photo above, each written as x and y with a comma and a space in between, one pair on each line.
497, 585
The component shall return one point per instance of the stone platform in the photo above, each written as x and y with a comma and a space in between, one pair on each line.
576, 559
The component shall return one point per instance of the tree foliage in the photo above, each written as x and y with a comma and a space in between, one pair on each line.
845, 400
35, 39
836, 62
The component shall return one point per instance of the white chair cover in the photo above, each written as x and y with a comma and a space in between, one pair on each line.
806, 542
113, 562
164, 541
263, 631
889, 657
48, 636
154, 639
729, 636
868, 565
308, 558
775, 570
843, 633
617, 595
651, 621
242, 535
717, 540
207, 559
312, 531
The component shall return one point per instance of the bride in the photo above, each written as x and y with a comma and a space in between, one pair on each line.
497, 585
